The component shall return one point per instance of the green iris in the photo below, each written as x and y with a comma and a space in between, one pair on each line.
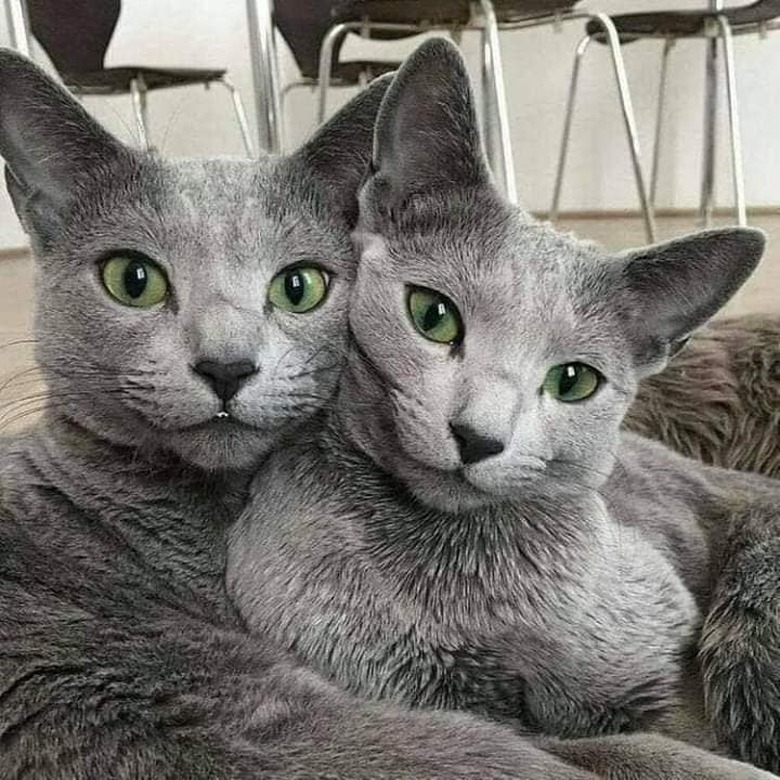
435, 316
571, 382
134, 281
298, 289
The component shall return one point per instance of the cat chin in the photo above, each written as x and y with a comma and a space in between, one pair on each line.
447, 491
220, 450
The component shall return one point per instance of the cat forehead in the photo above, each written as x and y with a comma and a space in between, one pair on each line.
493, 255
229, 188
214, 208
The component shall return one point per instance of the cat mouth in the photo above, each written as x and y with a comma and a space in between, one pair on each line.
222, 421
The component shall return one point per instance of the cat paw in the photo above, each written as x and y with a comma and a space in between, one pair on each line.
740, 657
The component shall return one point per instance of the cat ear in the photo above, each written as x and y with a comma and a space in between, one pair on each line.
49, 143
427, 136
670, 289
339, 153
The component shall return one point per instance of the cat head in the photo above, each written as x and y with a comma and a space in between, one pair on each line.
194, 307
493, 355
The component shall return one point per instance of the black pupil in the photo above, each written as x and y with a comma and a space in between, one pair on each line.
569, 378
434, 315
136, 279
294, 287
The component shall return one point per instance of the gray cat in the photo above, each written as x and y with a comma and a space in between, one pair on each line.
189, 316
471, 530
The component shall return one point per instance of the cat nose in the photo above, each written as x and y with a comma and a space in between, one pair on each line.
473, 446
225, 378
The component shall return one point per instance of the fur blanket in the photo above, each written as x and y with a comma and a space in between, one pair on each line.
719, 398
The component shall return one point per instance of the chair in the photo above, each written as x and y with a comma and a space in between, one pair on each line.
713, 24
303, 24
371, 17
76, 38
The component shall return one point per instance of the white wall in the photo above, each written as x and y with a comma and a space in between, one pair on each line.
537, 62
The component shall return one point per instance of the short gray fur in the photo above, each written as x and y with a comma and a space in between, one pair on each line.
562, 584
120, 654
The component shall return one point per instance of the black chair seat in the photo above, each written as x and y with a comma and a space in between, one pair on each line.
351, 71
445, 13
118, 79
685, 23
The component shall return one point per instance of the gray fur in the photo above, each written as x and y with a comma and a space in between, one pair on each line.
120, 654
560, 585
719, 399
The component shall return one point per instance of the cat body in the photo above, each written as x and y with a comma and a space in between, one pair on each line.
121, 655
189, 317
472, 530
576, 614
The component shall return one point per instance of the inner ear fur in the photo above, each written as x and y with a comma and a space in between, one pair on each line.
339, 153
668, 290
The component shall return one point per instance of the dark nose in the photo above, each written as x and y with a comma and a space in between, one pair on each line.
225, 378
473, 445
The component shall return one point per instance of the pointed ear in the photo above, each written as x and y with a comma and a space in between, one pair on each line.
427, 136
670, 289
49, 143
339, 153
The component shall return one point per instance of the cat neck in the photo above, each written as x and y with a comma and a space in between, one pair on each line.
404, 532
63, 449
76, 490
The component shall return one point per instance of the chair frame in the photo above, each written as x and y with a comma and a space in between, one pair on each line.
717, 29
21, 40
494, 93
139, 95
312, 84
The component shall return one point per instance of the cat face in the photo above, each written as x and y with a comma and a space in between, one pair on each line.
466, 378
197, 307
494, 357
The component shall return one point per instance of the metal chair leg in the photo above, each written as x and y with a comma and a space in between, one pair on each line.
488, 137
668, 45
326, 64
238, 108
265, 73
499, 92
710, 134
138, 92
582, 47
736, 142
613, 39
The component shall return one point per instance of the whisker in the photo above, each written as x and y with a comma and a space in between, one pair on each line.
311, 372
17, 343
11, 381
171, 121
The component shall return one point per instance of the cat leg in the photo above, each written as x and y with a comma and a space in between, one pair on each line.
649, 757
740, 641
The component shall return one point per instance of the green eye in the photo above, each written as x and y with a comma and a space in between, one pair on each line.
572, 382
134, 281
298, 289
435, 316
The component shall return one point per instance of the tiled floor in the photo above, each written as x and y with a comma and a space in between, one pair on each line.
760, 294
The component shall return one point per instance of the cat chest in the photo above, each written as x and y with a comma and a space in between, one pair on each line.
599, 653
